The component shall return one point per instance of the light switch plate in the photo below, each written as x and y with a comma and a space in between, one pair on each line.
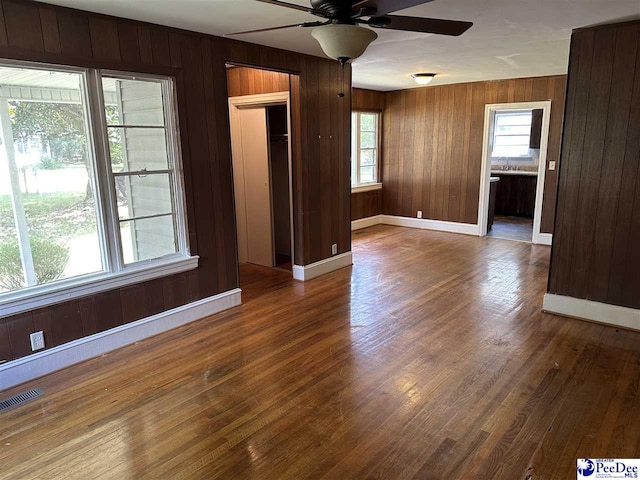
37, 341
552, 165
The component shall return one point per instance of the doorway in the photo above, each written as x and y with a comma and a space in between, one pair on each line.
513, 171
260, 146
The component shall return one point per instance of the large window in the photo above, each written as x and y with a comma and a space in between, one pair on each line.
365, 144
89, 183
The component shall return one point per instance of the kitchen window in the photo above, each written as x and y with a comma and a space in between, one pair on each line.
91, 195
511, 134
365, 154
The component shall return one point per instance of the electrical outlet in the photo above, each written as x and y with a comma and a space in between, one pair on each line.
552, 165
419, 213
37, 341
334, 249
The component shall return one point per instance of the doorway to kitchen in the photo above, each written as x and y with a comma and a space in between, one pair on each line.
260, 126
513, 170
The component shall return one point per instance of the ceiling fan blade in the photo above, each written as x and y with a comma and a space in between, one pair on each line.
289, 5
419, 24
386, 6
306, 24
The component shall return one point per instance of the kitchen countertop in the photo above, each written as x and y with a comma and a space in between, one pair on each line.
514, 172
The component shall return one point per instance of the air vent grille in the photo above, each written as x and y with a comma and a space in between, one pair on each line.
19, 399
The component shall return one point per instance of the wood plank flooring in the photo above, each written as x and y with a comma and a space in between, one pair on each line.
429, 359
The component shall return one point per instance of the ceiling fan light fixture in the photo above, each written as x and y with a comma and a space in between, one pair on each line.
342, 41
423, 78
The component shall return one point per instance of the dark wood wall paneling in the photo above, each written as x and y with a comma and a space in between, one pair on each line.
596, 254
253, 81
321, 149
367, 204
433, 145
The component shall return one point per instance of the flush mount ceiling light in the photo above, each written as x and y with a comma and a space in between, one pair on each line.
343, 42
423, 78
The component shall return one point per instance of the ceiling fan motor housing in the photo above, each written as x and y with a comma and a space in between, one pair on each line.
334, 9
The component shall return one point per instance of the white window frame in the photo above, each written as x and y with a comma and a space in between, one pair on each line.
115, 273
358, 186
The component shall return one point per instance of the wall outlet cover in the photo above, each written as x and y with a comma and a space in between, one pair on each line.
334, 249
552, 165
37, 341
419, 214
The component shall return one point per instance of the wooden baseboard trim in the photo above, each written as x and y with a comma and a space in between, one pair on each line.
426, 224
48, 361
313, 270
365, 222
543, 239
593, 311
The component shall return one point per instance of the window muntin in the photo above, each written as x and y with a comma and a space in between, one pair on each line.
511, 134
143, 173
365, 148
131, 215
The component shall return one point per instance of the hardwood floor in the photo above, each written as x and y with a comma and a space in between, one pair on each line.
429, 359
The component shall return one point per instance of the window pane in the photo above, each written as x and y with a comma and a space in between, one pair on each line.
367, 140
133, 102
135, 149
48, 219
513, 130
367, 157
137, 143
512, 140
147, 238
367, 174
510, 151
368, 122
521, 118
143, 195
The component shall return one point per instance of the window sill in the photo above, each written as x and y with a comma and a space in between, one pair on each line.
89, 285
367, 187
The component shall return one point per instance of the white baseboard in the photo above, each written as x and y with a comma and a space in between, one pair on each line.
426, 224
543, 239
594, 311
313, 270
366, 222
47, 361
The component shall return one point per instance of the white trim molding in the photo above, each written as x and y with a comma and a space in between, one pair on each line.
485, 175
32, 298
426, 224
366, 187
543, 238
366, 222
48, 361
313, 270
595, 311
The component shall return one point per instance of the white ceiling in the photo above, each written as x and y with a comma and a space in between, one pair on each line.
509, 39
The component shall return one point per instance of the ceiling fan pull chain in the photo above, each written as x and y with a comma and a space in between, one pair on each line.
343, 62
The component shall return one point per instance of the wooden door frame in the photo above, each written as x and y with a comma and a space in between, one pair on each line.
265, 100
483, 202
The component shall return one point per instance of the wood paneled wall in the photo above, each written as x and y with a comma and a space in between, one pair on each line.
433, 145
321, 150
596, 245
367, 204
253, 81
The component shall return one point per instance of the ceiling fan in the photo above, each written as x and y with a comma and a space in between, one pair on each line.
340, 35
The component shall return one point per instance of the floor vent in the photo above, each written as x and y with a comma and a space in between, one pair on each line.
19, 399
